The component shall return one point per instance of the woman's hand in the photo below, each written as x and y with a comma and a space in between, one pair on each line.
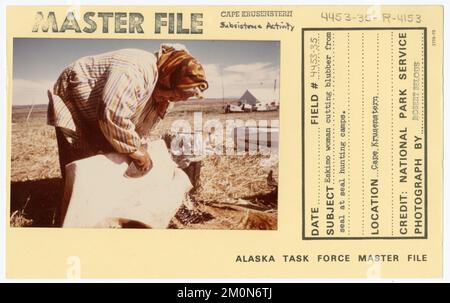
142, 159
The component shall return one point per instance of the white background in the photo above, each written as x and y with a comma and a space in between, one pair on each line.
3, 158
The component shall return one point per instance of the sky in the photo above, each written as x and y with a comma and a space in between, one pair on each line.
241, 65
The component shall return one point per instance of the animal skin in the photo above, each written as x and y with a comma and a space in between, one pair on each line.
97, 192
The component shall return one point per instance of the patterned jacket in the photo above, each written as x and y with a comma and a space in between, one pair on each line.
105, 100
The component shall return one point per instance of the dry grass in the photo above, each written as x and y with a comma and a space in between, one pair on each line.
34, 153
227, 179
233, 191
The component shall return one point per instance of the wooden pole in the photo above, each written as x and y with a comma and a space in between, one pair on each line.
30, 111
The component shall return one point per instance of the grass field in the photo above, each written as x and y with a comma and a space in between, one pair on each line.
232, 193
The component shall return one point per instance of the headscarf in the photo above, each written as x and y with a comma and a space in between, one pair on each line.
179, 72
180, 76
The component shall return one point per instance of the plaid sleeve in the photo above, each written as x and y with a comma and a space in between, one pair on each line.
118, 104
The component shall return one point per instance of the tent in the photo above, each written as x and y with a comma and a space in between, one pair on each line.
248, 98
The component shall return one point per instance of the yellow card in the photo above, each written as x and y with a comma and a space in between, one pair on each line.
265, 142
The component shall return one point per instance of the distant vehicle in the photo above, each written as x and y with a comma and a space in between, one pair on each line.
266, 107
239, 108
246, 108
231, 108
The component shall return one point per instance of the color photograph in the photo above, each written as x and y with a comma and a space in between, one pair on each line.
117, 133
